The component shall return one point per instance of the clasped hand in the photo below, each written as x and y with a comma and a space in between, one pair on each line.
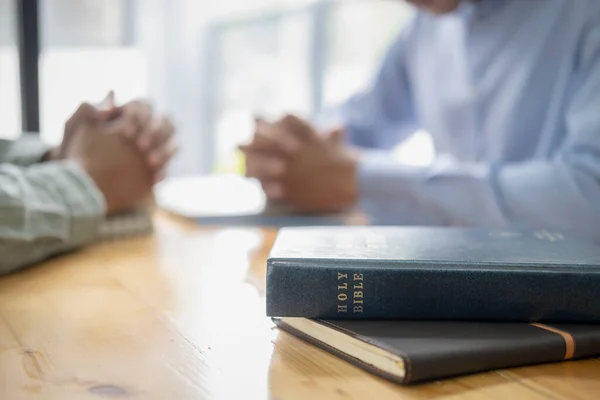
124, 149
301, 167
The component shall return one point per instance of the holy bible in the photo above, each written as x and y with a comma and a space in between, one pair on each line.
439, 274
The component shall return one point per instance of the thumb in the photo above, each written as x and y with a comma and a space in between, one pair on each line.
337, 135
259, 121
107, 108
108, 102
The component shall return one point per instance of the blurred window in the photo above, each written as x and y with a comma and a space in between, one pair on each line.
298, 59
87, 49
10, 106
358, 34
261, 67
211, 65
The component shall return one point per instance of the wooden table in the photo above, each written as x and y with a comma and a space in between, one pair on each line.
181, 315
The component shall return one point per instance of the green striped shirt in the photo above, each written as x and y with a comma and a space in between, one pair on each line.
45, 208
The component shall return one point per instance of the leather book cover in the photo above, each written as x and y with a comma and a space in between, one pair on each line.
419, 351
418, 273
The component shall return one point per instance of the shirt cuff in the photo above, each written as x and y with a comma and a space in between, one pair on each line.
84, 202
29, 149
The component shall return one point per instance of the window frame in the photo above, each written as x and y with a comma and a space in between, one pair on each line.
29, 49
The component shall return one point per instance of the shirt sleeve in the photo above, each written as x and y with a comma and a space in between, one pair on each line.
25, 151
383, 115
560, 193
45, 210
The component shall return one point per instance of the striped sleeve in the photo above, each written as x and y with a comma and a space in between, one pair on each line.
46, 209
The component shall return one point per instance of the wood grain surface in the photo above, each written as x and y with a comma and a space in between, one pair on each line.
181, 315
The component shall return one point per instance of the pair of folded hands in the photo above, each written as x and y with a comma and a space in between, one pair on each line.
309, 170
124, 149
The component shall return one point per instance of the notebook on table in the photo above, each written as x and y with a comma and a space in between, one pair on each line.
408, 352
233, 200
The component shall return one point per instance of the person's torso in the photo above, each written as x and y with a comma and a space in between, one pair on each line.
495, 86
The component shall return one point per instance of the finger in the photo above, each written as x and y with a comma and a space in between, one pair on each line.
159, 131
246, 148
124, 126
260, 146
160, 176
267, 144
158, 158
264, 167
273, 190
137, 115
85, 115
253, 149
337, 135
272, 137
108, 102
107, 108
110, 98
85, 112
299, 127
108, 114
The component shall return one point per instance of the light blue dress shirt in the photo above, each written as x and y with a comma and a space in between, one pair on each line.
510, 92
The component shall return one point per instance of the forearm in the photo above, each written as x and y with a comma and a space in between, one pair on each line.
558, 195
45, 210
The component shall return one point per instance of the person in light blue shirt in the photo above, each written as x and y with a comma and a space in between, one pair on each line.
509, 91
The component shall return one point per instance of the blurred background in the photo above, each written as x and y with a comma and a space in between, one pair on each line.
211, 65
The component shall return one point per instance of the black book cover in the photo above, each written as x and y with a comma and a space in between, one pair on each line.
419, 351
451, 274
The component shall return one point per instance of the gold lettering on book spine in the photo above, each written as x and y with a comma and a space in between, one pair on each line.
350, 295
342, 293
357, 296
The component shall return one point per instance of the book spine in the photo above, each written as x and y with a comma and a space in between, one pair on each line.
351, 290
